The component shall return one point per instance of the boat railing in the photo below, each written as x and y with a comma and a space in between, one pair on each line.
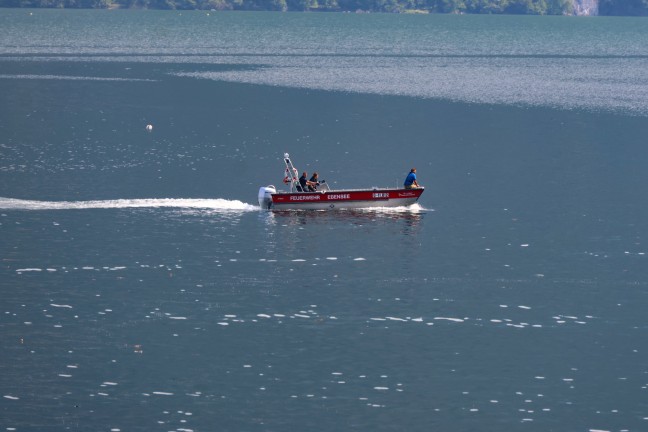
323, 187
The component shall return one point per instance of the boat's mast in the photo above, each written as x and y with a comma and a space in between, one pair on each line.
291, 173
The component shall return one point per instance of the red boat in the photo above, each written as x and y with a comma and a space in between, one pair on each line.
327, 199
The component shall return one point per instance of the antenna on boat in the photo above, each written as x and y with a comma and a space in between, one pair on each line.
291, 173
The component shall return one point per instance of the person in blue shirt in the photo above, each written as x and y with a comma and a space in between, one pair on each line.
410, 180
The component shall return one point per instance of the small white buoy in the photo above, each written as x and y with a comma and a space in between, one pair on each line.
149, 127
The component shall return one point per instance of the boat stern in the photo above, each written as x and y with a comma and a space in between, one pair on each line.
265, 196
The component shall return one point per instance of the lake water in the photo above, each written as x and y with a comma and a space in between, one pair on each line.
142, 289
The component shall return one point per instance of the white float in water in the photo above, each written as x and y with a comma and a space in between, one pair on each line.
149, 127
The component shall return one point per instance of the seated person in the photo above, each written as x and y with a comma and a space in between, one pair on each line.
315, 182
410, 180
305, 185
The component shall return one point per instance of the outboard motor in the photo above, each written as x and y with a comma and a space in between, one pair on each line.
265, 196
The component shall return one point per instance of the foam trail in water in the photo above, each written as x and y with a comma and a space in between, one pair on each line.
211, 204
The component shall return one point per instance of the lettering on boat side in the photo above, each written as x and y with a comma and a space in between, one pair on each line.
304, 197
381, 195
338, 196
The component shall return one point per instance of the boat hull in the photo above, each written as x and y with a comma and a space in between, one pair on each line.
345, 199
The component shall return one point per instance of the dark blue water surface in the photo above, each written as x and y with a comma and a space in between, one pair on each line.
142, 289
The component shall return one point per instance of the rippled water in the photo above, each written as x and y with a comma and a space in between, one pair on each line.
562, 62
143, 289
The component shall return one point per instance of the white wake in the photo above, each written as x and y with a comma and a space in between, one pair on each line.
209, 204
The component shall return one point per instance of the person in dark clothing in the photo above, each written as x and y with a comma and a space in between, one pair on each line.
304, 184
315, 182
